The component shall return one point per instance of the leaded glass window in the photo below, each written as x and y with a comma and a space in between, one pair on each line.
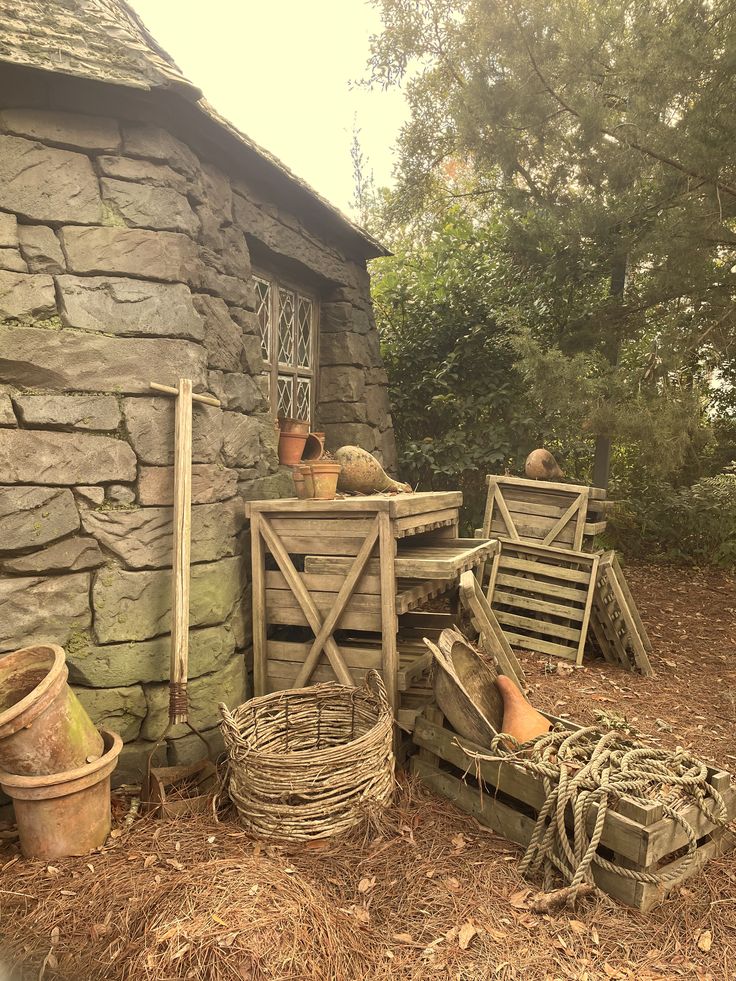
287, 322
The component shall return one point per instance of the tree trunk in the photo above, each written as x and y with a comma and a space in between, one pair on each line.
602, 460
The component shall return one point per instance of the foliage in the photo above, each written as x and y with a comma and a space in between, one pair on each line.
567, 178
688, 524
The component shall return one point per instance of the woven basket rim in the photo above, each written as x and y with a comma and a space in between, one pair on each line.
327, 688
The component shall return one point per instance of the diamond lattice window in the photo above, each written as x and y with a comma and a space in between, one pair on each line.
287, 322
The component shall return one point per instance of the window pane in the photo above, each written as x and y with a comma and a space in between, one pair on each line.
303, 398
304, 333
263, 310
285, 405
286, 326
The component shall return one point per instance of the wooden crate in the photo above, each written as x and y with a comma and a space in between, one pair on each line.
508, 799
542, 597
615, 622
541, 512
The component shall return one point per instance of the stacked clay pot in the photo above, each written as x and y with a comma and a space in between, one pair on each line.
54, 763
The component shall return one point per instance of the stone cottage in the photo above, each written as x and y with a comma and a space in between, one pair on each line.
143, 238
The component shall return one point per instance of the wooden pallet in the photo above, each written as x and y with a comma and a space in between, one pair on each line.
417, 558
542, 597
541, 512
615, 622
507, 799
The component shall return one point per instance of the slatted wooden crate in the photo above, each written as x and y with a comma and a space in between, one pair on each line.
541, 512
357, 565
507, 798
542, 597
616, 625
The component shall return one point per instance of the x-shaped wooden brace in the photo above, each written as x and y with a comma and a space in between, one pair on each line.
322, 628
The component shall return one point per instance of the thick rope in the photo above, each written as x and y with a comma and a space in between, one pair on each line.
585, 768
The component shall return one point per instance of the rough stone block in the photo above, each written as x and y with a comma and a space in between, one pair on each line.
39, 610
210, 482
252, 355
142, 537
26, 297
267, 488
236, 291
114, 665
210, 229
137, 605
341, 384
248, 439
120, 494
352, 434
189, 748
45, 184
236, 391
71, 555
222, 336
229, 685
97, 412
169, 256
75, 361
133, 761
339, 317
377, 405
153, 143
117, 305
67, 128
143, 172
7, 415
386, 450
8, 231
41, 250
217, 192
33, 516
90, 495
40, 457
344, 348
338, 412
150, 424
119, 709
235, 254
145, 206
12, 260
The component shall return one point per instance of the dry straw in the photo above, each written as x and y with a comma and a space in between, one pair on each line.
312, 762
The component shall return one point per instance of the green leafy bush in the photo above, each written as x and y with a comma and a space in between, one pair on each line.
692, 525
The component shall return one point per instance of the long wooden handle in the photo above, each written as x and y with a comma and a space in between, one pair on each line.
169, 390
182, 540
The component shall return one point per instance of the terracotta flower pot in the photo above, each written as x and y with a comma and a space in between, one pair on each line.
299, 484
43, 726
65, 813
325, 474
287, 425
314, 447
291, 447
306, 470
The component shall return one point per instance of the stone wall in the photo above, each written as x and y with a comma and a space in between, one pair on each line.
125, 258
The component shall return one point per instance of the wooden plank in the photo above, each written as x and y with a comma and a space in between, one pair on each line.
556, 630
307, 526
443, 560
539, 605
524, 643
588, 607
340, 603
531, 530
259, 606
389, 624
320, 565
181, 547
293, 505
489, 629
313, 617
597, 493
551, 571
317, 545
401, 505
411, 671
325, 583
630, 602
539, 586
412, 521
411, 594
511, 531
576, 508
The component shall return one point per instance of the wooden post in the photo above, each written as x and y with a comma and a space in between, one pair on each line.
258, 580
389, 648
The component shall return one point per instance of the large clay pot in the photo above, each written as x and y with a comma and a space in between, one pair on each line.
43, 726
65, 813
306, 471
300, 426
291, 447
541, 465
363, 474
299, 486
325, 474
520, 719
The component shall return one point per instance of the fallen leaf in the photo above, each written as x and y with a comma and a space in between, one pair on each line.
116, 833
705, 941
403, 938
54, 936
453, 884
149, 860
174, 863
365, 885
594, 936
459, 841
67, 892
253, 890
518, 899
465, 935
577, 926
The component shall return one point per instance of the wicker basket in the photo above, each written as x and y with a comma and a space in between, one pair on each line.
310, 762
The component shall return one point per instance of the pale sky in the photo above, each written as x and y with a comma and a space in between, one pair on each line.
280, 70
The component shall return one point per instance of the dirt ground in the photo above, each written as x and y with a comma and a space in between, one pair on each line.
432, 894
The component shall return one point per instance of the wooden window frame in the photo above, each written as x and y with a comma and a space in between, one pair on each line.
274, 368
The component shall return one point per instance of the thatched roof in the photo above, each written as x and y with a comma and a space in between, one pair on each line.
106, 41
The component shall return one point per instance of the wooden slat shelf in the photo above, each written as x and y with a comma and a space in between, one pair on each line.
441, 558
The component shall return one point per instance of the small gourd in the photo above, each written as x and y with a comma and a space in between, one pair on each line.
520, 719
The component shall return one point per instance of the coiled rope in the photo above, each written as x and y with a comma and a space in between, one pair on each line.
586, 768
